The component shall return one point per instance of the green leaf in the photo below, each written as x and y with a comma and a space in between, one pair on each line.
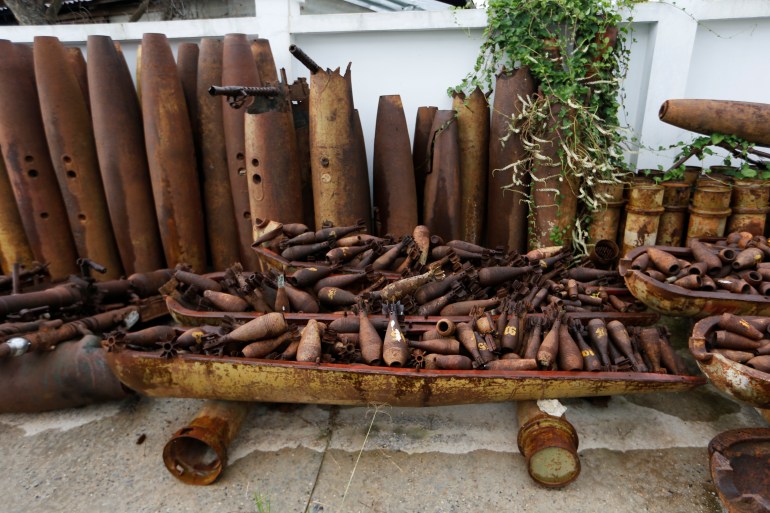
717, 138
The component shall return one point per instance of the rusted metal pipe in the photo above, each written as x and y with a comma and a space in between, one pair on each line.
302, 57
197, 453
441, 207
746, 120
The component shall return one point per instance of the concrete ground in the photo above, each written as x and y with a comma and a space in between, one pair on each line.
639, 453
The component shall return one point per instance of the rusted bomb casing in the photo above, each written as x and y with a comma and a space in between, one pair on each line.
301, 114
149, 337
441, 207
465, 307
263, 59
554, 194
226, 302
702, 253
187, 57
308, 276
268, 325
340, 184
262, 348
421, 152
729, 340
549, 349
334, 297
468, 340
676, 198
147, 284
78, 65
510, 338
605, 222
198, 281
690, 282
655, 274
495, 275
746, 120
171, 156
445, 327
506, 208
748, 258
761, 363
645, 205
664, 261
361, 165
395, 195
569, 355
272, 167
69, 133
437, 345
735, 324
188, 455
221, 230
395, 352
28, 164
649, 339
512, 364
591, 362
14, 247
549, 444
736, 286
749, 207
597, 332
309, 349
239, 69
122, 158
622, 341
473, 137
301, 301
452, 362
369, 340
340, 281
709, 211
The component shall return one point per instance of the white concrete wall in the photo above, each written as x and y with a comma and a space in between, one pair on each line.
697, 49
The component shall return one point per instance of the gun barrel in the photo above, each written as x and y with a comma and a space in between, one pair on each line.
302, 57
236, 91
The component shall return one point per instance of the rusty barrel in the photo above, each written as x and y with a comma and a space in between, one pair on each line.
676, 198
70, 137
340, 189
395, 196
553, 192
221, 231
507, 191
605, 221
421, 146
187, 55
272, 167
473, 126
691, 174
263, 59
709, 211
79, 68
749, 207
14, 247
119, 136
301, 116
441, 209
239, 69
645, 206
171, 156
745, 119
549, 443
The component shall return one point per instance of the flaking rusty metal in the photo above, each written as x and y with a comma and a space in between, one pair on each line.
123, 158
187, 66
673, 221
709, 211
395, 196
605, 222
421, 152
442, 203
739, 459
746, 120
79, 68
14, 248
749, 207
29, 166
171, 156
645, 205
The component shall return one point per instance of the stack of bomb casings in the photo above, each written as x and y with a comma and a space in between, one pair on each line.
746, 341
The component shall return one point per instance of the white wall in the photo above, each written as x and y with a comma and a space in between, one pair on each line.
701, 49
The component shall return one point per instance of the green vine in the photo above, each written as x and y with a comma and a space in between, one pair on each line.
752, 163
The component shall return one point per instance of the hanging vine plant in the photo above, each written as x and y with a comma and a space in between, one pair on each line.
577, 51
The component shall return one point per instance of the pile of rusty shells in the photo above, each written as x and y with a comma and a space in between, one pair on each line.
744, 341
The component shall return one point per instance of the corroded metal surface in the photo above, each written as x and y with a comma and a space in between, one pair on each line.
676, 198
709, 210
506, 209
749, 207
171, 156
69, 133
238, 68
221, 230
395, 196
740, 469
187, 67
676, 301
302, 132
645, 205
473, 132
340, 189
29, 166
263, 58
14, 247
744, 119
441, 206
79, 68
122, 158
738, 381
605, 223
239, 379
421, 152
362, 168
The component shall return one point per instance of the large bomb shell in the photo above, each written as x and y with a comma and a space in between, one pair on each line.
421, 152
239, 69
221, 231
744, 119
506, 210
79, 68
263, 59
122, 157
340, 186
268, 325
171, 156
272, 167
187, 66
441, 207
362, 164
14, 247
29, 166
395, 196
473, 125
71, 145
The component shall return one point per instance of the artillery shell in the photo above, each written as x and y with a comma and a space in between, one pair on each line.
395, 352
465, 307
733, 285
730, 322
187, 55
310, 344
198, 281
300, 300
736, 356
727, 255
549, 349
702, 253
341, 281
441, 207
597, 332
491, 276
452, 362
748, 258
308, 276
262, 348
761, 363
225, 302
369, 340
268, 325
435, 306
665, 262
445, 327
708, 284
730, 340
334, 297
641, 262
438, 345
691, 282
570, 358
507, 364
668, 357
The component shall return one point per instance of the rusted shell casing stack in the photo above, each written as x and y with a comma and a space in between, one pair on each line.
749, 207
123, 158
395, 196
507, 209
744, 119
187, 55
676, 199
221, 231
340, 184
645, 206
421, 151
272, 166
473, 126
14, 247
171, 156
239, 69
263, 59
553, 193
709, 211
28, 163
441, 208
605, 222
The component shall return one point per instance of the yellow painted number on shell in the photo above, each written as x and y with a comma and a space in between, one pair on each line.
601, 332
587, 352
510, 330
